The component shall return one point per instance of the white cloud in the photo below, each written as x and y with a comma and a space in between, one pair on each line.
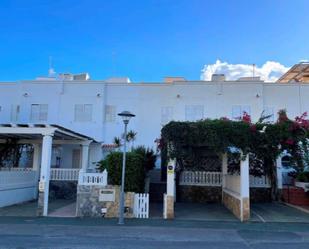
269, 71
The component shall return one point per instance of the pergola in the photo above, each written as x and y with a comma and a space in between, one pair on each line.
42, 137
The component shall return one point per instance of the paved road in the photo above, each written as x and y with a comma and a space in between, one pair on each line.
65, 234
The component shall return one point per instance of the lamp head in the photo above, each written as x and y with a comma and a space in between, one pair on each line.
126, 116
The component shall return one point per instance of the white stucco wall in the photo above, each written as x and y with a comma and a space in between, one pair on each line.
145, 100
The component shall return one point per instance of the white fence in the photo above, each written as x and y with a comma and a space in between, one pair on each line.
64, 174
259, 182
204, 178
141, 206
93, 178
17, 186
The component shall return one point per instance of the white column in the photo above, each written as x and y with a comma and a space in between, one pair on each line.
279, 172
85, 156
244, 189
244, 178
36, 165
224, 169
169, 197
170, 181
45, 169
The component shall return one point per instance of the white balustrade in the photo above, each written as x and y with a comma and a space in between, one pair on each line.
63, 174
200, 178
93, 178
205, 178
259, 182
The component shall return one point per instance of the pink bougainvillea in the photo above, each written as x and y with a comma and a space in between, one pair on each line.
246, 118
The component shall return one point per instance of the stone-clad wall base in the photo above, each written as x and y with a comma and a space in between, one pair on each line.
169, 207
88, 204
242, 212
39, 211
232, 203
245, 209
199, 194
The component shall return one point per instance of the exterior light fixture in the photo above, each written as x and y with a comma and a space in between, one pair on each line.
126, 116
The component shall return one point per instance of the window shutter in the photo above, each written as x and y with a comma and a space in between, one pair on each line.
166, 114
87, 113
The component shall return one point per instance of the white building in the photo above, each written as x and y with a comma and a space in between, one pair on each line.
90, 107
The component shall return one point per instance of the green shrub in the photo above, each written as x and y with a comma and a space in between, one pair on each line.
135, 174
149, 157
303, 177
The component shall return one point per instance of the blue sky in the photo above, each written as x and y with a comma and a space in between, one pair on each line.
147, 40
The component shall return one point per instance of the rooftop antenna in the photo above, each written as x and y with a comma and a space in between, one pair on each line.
51, 71
253, 70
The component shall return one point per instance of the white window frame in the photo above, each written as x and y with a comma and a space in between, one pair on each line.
110, 113
194, 112
81, 114
167, 113
41, 114
15, 110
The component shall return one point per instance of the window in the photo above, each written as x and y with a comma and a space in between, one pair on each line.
166, 114
110, 113
15, 113
238, 111
39, 112
194, 112
269, 111
83, 113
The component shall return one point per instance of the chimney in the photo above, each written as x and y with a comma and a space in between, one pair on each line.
218, 77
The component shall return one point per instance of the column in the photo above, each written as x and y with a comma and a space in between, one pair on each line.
45, 174
85, 156
224, 173
169, 197
244, 189
279, 173
224, 169
36, 165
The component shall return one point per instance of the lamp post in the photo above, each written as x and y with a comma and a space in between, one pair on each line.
125, 115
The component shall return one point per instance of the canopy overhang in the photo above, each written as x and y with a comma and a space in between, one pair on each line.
34, 132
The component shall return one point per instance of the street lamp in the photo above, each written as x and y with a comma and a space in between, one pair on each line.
125, 115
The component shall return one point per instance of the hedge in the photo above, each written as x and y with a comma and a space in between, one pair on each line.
135, 173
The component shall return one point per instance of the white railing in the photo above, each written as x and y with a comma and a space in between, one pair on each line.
200, 178
141, 206
17, 179
93, 178
204, 178
64, 174
232, 183
259, 182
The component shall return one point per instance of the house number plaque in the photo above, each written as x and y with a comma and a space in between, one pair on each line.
107, 195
